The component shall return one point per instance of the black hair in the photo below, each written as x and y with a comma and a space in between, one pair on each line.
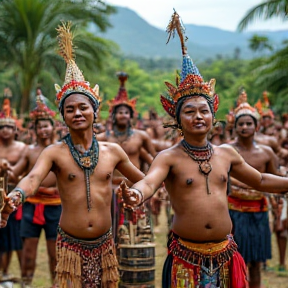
253, 118
43, 119
121, 105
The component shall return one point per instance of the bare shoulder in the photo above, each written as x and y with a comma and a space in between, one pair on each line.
229, 152
142, 133
55, 149
110, 147
20, 145
170, 154
266, 149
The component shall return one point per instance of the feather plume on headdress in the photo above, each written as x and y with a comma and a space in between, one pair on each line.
191, 82
74, 79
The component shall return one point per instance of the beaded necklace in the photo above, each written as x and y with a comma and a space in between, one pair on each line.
202, 156
86, 161
128, 132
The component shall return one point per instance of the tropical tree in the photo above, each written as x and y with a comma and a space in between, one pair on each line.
266, 10
28, 38
259, 43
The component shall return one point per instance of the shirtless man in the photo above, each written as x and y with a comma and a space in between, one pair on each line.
130, 139
43, 210
83, 168
11, 151
196, 175
248, 208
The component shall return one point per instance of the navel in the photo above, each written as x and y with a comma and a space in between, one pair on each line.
207, 226
90, 224
189, 181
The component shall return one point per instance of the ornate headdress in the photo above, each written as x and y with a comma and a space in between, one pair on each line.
122, 97
263, 107
74, 79
6, 115
244, 109
191, 81
242, 97
41, 111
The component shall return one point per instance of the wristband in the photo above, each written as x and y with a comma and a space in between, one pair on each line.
21, 191
142, 196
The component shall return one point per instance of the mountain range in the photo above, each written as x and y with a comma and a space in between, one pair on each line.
137, 38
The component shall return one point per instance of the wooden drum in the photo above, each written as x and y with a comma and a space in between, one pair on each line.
137, 256
133, 275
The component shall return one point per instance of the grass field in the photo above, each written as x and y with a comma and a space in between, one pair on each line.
271, 279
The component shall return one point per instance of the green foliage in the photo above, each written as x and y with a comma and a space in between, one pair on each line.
266, 10
28, 39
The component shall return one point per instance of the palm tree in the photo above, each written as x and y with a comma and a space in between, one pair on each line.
28, 38
259, 43
265, 10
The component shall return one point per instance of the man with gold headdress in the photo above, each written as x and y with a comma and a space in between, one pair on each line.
43, 210
201, 249
249, 208
10, 150
83, 168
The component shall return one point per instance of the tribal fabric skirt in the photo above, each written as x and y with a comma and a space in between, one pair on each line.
86, 263
202, 265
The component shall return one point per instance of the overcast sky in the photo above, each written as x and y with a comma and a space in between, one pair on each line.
224, 14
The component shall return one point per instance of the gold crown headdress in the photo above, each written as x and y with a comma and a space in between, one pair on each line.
74, 79
41, 111
122, 96
191, 81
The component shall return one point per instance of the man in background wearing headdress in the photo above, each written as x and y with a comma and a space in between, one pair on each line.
43, 210
200, 254
249, 208
122, 110
10, 150
83, 168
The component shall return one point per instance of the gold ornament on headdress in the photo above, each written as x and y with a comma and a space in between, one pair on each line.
191, 81
74, 79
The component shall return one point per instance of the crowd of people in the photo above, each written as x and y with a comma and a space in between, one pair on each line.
225, 181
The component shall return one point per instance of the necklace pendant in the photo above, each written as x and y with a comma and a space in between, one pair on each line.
207, 185
86, 161
205, 168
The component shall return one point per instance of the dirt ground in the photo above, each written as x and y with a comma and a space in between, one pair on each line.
271, 279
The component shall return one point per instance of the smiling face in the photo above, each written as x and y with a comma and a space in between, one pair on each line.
7, 132
245, 126
122, 115
78, 112
44, 129
196, 116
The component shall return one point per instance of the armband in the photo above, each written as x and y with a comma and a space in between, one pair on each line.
21, 191
142, 196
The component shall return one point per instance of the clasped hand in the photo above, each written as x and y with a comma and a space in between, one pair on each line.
131, 197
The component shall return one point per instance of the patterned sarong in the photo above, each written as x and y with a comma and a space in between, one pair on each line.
201, 265
86, 263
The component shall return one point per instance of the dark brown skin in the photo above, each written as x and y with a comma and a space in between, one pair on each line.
199, 216
132, 145
262, 158
45, 137
76, 219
